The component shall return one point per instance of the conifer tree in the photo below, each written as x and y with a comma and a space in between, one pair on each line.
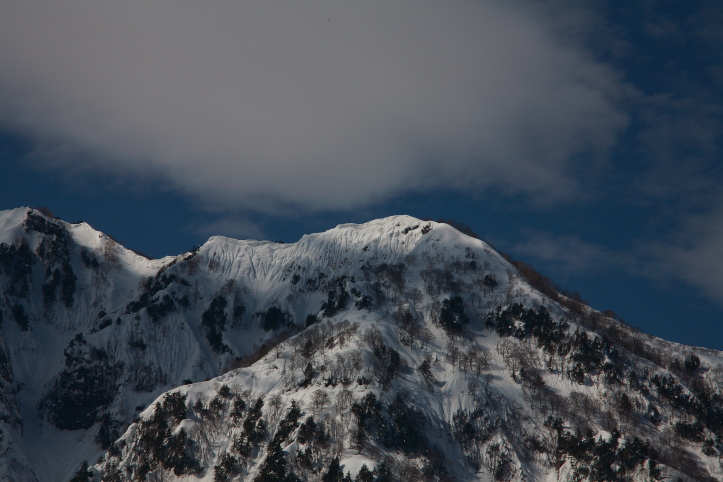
334, 472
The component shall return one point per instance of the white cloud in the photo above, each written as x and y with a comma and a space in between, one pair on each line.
694, 256
319, 105
697, 255
570, 255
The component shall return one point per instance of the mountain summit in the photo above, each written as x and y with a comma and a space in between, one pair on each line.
397, 349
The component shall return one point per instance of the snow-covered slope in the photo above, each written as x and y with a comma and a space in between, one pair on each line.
58, 281
398, 344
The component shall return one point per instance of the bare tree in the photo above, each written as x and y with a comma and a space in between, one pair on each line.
583, 404
481, 361
452, 352
409, 327
357, 360
415, 296
608, 421
424, 337
319, 399
343, 400
276, 403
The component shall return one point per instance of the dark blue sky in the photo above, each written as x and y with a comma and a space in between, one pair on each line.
586, 142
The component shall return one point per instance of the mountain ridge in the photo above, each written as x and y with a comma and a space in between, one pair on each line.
433, 323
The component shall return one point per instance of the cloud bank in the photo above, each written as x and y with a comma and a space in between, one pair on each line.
697, 256
571, 255
320, 105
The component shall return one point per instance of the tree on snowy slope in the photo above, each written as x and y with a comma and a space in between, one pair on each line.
452, 316
333, 472
274, 467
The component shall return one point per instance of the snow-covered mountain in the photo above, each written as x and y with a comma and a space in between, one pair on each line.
401, 345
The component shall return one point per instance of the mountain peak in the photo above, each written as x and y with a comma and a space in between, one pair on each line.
399, 344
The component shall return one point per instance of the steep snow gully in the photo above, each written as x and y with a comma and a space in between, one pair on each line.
397, 349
